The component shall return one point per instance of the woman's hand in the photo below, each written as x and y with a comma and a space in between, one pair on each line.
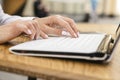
38, 27
14, 29
57, 24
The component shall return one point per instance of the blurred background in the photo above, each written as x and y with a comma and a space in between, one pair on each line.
82, 11
91, 11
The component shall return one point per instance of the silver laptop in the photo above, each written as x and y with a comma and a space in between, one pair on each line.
89, 46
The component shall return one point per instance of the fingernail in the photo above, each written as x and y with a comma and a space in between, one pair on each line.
29, 32
32, 37
78, 34
37, 37
75, 35
64, 33
46, 36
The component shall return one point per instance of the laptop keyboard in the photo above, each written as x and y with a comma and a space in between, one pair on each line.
86, 42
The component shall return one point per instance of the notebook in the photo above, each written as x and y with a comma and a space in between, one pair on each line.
88, 46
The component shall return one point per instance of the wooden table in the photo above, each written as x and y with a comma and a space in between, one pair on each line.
60, 69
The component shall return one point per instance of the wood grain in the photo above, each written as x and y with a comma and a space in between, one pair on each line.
61, 69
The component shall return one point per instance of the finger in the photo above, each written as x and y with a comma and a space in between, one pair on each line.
31, 27
66, 25
72, 24
43, 35
24, 28
36, 25
53, 31
40, 31
56, 32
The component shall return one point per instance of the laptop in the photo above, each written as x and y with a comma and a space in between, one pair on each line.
89, 46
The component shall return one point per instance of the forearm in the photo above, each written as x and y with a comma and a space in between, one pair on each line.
7, 32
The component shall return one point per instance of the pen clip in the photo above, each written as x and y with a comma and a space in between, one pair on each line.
117, 29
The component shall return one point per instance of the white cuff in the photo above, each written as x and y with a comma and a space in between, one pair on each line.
27, 18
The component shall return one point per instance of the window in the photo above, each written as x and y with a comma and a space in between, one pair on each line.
118, 7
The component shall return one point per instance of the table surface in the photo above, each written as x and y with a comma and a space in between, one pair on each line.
50, 68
